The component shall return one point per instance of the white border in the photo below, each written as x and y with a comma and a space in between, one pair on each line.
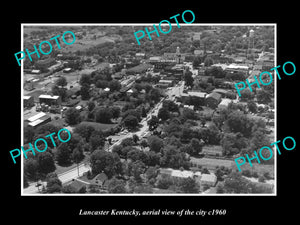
151, 24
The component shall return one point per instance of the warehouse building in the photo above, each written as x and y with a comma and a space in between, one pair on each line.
50, 99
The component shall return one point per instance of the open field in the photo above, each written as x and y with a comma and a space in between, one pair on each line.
212, 163
99, 126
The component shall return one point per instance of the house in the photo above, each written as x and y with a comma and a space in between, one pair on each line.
28, 101
212, 100
78, 186
208, 179
100, 180
39, 119
224, 103
178, 174
50, 99
221, 91
165, 83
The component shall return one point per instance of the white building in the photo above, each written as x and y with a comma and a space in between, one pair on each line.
208, 179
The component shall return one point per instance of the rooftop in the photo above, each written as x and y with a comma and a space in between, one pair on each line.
49, 96
37, 116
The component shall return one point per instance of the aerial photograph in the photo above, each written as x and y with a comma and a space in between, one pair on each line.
121, 116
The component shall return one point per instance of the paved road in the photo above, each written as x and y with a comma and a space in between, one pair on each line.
64, 177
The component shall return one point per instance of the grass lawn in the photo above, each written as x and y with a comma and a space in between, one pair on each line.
212, 163
99, 126
259, 168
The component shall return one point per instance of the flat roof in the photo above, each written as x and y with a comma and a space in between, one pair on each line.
209, 177
198, 94
49, 96
37, 116
38, 121
27, 97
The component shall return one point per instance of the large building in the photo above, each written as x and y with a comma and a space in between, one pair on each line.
176, 57
38, 119
50, 99
213, 99
28, 101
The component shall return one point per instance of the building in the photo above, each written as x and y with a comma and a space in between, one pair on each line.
208, 179
178, 174
224, 103
28, 101
212, 100
222, 92
165, 83
50, 99
233, 68
140, 55
100, 180
38, 119
173, 57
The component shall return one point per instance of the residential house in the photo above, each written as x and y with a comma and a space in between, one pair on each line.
213, 99
208, 179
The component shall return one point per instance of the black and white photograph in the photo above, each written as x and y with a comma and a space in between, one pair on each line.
143, 113
162, 117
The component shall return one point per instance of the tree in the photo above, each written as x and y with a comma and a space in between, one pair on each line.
173, 158
189, 185
85, 79
153, 123
252, 106
208, 61
31, 167
246, 95
163, 114
116, 186
170, 105
62, 81
103, 115
188, 78
91, 105
235, 183
62, 92
136, 168
114, 85
135, 138
233, 143
127, 142
263, 96
151, 173
53, 183
115, 111
155, 143
96, 140
107, 162
237, 121
85, 91
46, 163
194, 147
197, 60
28, 134
216, 72
72, 116
154, 94
63, 154
84, 130
131, 122
77, 156
153, 158
164, 181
